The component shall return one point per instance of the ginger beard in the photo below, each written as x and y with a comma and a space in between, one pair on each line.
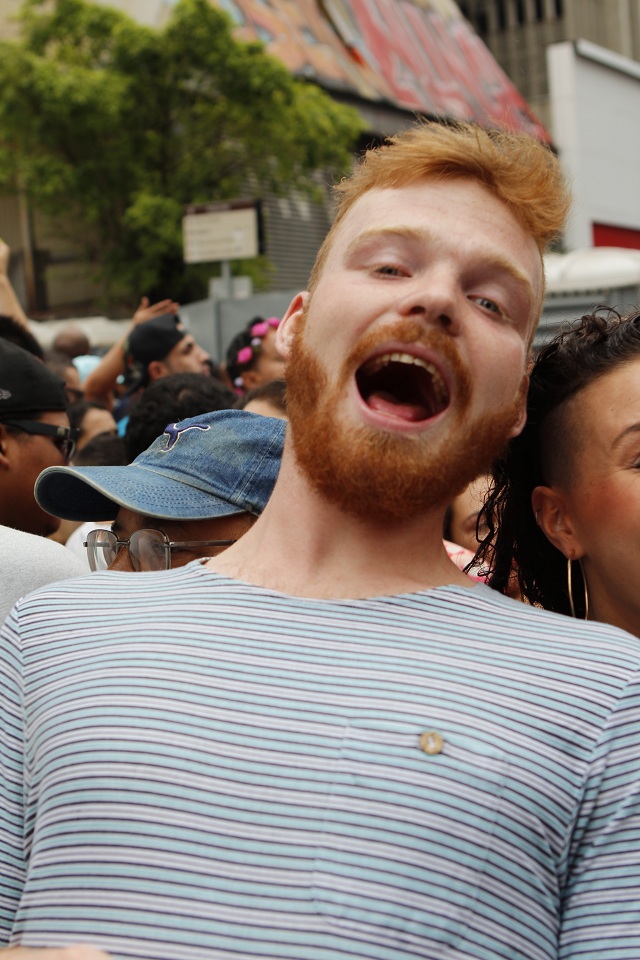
371, 474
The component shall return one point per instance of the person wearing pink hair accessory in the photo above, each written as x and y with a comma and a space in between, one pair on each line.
252, 356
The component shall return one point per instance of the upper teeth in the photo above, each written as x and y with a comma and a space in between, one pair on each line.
379, 362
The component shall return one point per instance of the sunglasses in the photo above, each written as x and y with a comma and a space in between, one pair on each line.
148, 549
63, 437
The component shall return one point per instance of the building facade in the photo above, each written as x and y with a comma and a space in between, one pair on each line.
391, 59
518, 32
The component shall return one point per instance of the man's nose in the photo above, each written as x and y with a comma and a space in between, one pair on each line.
122, 561
436, 298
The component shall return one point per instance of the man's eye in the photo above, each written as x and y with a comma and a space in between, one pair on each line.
488, 304
388, 271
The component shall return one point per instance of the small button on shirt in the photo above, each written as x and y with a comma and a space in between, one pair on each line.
431, 742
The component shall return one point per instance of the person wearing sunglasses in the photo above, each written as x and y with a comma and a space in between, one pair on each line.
34, 434
195, 491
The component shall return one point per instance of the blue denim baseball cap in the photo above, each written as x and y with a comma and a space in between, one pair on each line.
214, 465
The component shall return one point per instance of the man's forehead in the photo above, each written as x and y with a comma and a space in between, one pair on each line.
404, 211
186, 341
128, 520
58, 418
456, 196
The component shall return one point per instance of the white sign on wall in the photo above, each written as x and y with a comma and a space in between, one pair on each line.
221, 231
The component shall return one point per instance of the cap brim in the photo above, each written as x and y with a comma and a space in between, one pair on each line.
97, 493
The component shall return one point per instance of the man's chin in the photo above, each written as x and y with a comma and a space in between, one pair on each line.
382, 476
376, 475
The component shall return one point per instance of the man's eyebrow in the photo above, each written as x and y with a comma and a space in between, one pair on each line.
632, 428
412, 235
152, 523
496, 262
384, 233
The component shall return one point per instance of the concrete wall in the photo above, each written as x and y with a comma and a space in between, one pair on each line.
595, 110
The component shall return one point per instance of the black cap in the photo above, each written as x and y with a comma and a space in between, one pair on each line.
154, 339
26, 385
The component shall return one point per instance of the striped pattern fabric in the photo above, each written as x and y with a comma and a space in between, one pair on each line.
192, 768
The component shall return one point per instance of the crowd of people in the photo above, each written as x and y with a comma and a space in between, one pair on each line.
337, 653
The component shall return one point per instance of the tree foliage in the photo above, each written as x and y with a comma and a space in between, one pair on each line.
113, 127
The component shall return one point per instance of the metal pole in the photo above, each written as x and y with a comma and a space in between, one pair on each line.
225, 273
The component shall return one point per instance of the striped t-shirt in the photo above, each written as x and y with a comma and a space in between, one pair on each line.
192, 768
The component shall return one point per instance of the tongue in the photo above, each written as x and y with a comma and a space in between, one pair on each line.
388, 404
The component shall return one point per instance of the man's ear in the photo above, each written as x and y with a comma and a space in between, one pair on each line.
157, 369
4, 445
289, 323
553, 516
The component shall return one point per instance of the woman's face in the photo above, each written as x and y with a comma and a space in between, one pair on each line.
602, 493
269, 364
464, 514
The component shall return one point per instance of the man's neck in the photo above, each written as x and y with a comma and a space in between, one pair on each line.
304, 546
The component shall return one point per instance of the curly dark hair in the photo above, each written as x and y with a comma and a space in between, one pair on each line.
583, 352
173, 398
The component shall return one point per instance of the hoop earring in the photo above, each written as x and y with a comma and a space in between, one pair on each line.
570, 588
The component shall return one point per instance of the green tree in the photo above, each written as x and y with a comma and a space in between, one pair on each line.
113, 127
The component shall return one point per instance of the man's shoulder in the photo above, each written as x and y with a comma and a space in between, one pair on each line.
495, 615
110, 586
29, 562
451, 610
17, 545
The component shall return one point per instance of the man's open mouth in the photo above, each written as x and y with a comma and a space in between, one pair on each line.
403, 386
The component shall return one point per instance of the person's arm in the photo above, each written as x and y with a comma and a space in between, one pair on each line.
13, 865
100, 383
601, 896
9, 304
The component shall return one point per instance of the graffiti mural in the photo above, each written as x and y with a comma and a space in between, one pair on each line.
419, 55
